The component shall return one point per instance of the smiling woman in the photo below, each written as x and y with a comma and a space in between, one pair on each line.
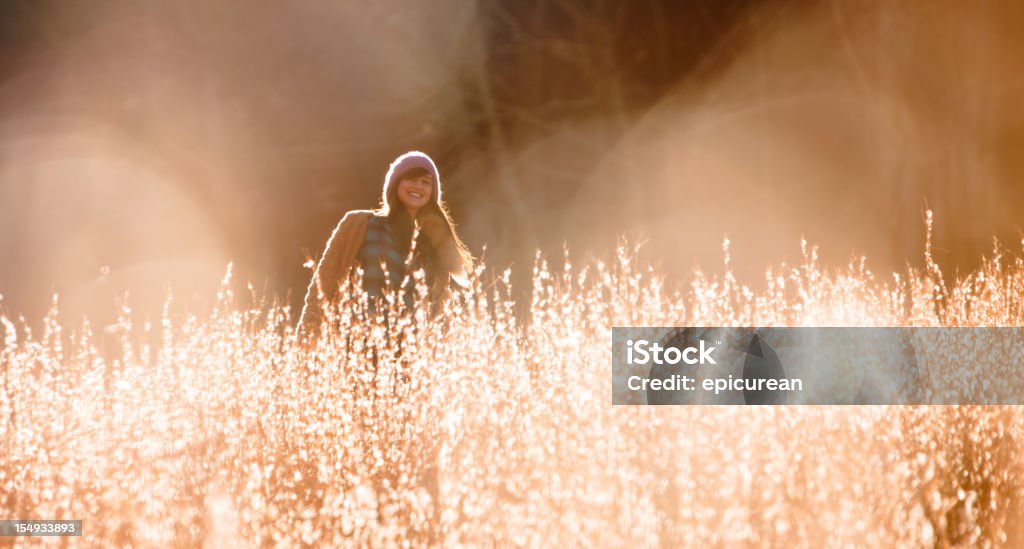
379, 241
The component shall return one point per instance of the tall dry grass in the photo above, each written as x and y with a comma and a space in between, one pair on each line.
483, 427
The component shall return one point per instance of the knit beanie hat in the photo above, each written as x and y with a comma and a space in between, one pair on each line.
406, 162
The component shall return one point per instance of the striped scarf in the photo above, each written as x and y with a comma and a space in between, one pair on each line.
383, 261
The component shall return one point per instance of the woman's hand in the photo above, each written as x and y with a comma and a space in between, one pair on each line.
434, 226
439, 233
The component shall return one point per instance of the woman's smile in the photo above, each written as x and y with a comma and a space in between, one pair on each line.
414, 192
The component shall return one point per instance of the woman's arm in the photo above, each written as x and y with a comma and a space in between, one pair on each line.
335, 263
448, 256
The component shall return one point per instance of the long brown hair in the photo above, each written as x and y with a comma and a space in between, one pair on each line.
403, 225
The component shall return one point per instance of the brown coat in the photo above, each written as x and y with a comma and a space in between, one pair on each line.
335, 264
339, 258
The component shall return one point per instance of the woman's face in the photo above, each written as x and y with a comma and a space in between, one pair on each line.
414, 191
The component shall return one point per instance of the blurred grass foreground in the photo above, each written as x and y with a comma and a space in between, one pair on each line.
483, 426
